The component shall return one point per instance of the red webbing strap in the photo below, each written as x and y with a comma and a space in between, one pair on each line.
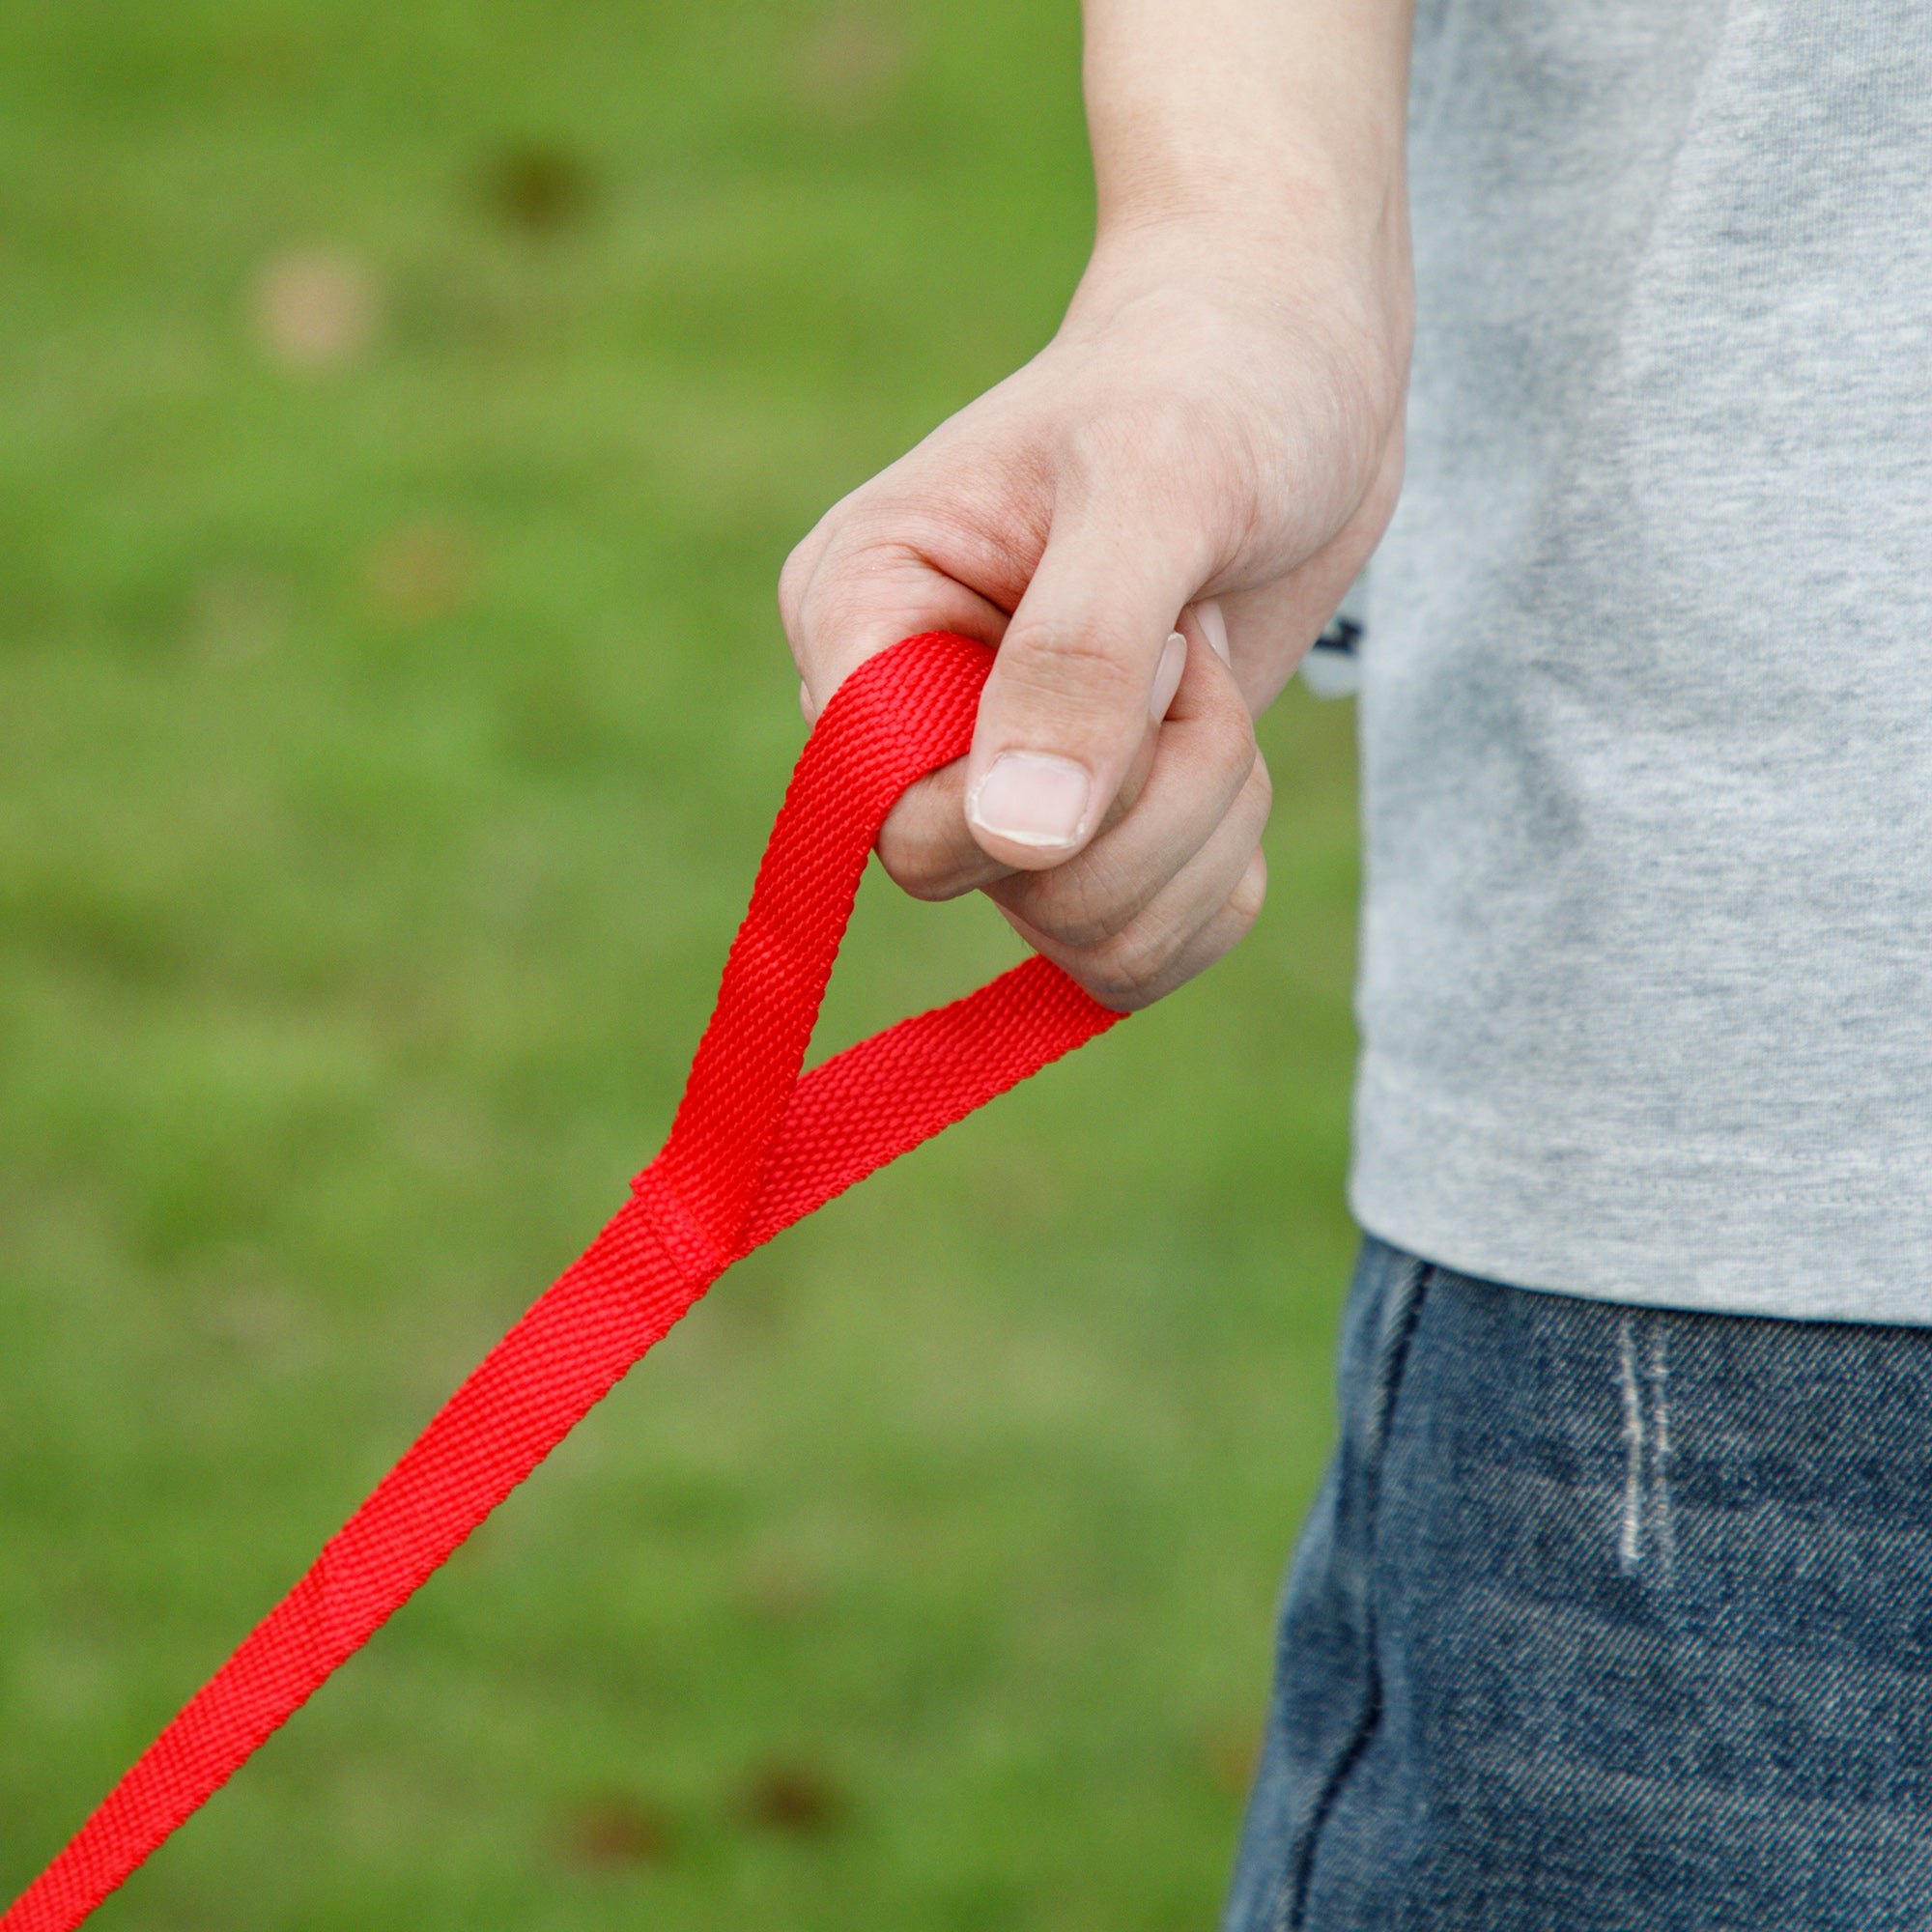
752, 1149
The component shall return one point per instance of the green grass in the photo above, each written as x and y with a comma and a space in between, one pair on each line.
383, 757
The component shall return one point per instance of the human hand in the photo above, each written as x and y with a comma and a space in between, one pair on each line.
1151, 520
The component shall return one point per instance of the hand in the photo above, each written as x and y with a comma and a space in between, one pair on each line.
1151, 520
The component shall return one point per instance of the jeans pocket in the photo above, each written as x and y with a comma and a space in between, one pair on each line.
1327, 1694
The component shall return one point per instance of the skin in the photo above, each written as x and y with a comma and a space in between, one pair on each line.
1205, 452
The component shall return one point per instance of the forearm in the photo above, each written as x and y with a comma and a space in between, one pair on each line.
1273, 113
1251, 154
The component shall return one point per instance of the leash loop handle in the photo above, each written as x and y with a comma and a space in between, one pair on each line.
753, 1146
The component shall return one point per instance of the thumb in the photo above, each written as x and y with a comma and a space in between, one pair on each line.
1074, 686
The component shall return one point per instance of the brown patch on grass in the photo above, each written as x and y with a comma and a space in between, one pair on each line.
315, 310
618, 1829
775, 1588
537, 187
793, 1797
423, 571
848, 65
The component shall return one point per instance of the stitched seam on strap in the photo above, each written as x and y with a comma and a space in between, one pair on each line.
676, 1227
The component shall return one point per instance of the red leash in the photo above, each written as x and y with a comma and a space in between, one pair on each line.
754, 1148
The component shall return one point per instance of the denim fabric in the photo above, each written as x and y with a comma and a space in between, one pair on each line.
1606, 1618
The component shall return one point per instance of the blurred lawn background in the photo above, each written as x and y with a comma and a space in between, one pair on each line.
406, 411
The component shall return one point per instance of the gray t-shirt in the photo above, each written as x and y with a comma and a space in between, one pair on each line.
1646, 991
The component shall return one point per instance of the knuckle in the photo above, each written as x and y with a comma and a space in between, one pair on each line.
922, 872
923, 844
847, 550
1069, 666
794, 574
1250, 895
1258, 788
1082, 904
1069, 918
1137, 965
1125, 970
1227, 735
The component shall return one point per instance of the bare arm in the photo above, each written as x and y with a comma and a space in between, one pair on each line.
1210, 442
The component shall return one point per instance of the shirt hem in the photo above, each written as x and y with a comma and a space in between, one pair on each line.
1741, 1230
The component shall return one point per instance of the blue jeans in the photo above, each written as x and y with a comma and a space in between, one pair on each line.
1606, 1619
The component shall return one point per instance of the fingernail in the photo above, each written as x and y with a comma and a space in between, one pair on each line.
1214, 628
1167, 676
1031, 798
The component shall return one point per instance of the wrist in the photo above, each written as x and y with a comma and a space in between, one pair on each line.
1279, 194
1303, 269
1258, 142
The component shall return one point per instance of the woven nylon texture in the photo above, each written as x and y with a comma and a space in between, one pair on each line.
754, 1148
